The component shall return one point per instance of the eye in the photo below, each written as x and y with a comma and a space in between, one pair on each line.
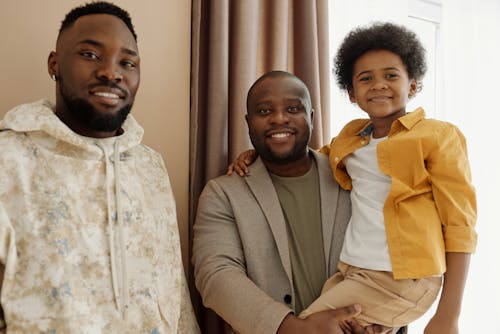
365, 78
263, 111
89, 55
293, 109
129, 64
392, 75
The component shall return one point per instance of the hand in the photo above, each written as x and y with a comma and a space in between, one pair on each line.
442, 325
242, 161
338, 321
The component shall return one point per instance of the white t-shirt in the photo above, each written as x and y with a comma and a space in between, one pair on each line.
365, 243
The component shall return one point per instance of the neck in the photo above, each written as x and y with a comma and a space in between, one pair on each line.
295, 168
382, 126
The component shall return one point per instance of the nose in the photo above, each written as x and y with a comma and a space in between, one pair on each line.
280, 116
379, 84
109, 71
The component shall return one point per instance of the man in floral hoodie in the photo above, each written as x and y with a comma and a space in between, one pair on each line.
88, 231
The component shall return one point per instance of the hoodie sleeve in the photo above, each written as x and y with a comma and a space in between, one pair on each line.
187, 321
6, 245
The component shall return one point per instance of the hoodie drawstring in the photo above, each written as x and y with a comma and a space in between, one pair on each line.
121, 232
122, 303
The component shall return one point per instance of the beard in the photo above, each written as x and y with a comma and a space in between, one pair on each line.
281, 158
91, 118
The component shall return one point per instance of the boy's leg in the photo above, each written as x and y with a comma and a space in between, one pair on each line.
322, 303
385, 301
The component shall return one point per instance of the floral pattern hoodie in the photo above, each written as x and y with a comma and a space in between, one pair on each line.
89, 239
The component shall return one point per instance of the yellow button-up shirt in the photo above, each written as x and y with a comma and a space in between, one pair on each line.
431, 207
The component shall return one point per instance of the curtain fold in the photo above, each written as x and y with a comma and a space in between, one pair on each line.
233, 43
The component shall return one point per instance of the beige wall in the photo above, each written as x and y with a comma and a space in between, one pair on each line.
29, 30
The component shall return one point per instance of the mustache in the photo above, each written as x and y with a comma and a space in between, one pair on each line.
110, 84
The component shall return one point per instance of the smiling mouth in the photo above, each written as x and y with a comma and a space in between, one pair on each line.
280, 135
107, 95
380, 99
108, 99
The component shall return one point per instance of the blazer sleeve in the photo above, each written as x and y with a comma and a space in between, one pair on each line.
220, 269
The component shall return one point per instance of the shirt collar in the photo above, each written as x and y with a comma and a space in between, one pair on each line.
408, 121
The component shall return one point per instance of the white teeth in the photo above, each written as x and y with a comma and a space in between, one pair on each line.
108, 95
280, 135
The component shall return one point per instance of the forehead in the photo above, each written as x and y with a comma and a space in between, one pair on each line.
105, 28
378, 59
278, 88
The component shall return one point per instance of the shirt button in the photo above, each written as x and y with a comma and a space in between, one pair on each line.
287, 299
336, 159
363, 142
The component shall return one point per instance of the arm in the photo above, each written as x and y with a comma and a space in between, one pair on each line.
187, 321
220, 269
6, 241
456, 203
446, 318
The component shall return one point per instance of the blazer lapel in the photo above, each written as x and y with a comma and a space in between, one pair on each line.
329, 192
260, 183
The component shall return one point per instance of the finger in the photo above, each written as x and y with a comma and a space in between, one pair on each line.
230, 169
242, 168
237, 169
379, 328
356, 328
346, 328
347, 312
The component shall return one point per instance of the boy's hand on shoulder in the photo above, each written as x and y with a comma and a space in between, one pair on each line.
240, 165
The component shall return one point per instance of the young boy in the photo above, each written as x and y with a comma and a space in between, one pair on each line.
413, 205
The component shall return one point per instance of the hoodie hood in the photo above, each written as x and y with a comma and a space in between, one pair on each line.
39, 117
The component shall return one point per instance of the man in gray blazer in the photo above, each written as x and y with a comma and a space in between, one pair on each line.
265, 243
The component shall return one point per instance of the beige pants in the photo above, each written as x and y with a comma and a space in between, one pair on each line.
384, 300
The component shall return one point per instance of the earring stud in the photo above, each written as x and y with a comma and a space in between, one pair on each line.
53, 77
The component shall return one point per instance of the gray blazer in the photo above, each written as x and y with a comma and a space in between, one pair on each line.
240, 248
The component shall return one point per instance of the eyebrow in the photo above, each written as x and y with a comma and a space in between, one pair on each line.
385, 69
100, 44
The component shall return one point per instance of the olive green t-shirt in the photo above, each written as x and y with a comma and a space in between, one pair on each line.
300, 201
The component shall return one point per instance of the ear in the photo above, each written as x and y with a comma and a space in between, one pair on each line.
352, 98
413, 88
52, 65
312, 118
247, 119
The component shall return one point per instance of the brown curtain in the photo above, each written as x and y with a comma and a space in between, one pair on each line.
233, 43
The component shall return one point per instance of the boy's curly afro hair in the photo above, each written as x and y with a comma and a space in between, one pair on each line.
379, 36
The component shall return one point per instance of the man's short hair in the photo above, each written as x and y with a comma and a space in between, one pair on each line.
98, 7
275, 74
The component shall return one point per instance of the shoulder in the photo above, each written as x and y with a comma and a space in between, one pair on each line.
439, 127
225, 184
322, 160
13, 144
